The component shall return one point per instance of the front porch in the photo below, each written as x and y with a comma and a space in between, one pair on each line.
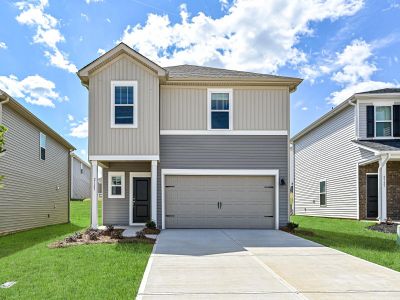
129, 192
379, 190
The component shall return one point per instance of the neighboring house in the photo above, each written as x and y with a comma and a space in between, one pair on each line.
36, 167
347, 163
187, 146
80, 178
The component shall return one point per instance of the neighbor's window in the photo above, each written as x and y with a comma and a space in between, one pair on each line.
383, 117
116, 185
81, 168
322, 193
42, 145
124, 104
220, 109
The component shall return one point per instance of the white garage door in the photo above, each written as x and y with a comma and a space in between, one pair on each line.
219, 201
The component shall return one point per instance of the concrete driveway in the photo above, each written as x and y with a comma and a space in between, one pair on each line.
258, 264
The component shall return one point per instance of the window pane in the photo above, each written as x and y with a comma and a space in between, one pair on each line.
322, 199
219, 96
383, 129
116, 180
123, 114
117, 95
130, 95
220, 120
116, 190
322, 186
220, 104
384, 113
42, 140
42, 153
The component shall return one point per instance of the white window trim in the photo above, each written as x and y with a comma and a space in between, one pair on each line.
325, 193
391, 121
110, 175
211, 91
40, 145
221, 172
135, 104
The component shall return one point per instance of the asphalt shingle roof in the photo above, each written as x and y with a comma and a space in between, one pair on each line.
382, 91
383, 145
189, 71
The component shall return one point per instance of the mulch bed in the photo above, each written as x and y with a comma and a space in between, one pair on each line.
151, 231
97, 236
384, 227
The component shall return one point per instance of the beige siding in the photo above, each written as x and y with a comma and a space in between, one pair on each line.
30, 197
327, 153
104, 140
80, 188
254, 108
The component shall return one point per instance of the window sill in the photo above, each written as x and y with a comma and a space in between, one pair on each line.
124, 126
116, 197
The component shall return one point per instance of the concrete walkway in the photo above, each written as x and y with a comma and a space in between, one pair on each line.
258, 264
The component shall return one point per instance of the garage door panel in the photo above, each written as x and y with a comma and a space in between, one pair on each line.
192, 201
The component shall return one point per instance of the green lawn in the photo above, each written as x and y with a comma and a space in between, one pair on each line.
107, 271
352, 237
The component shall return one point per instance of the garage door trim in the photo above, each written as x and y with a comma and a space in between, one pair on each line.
222, 172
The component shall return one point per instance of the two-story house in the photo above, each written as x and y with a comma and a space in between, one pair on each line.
347, 163
187, 146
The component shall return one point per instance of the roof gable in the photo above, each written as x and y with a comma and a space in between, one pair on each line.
109, 56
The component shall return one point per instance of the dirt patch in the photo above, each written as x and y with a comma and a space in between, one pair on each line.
304, 232
384, 227
96, 236
151, 231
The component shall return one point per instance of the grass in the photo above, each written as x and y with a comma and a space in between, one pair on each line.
107, 271
352, 237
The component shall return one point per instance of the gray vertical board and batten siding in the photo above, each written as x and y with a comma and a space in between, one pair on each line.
327, 153
30, 197
80, 181
116, 210
226, 152
254, 108
104, 140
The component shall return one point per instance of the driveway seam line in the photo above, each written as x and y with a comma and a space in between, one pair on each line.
267, 268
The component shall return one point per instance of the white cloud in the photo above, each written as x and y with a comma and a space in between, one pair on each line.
93, 1
305, 108
70, 118
253, 35
83, 152
32, 13
108, 20
85, 16
3, 45
101, 51
33, 89
80, 129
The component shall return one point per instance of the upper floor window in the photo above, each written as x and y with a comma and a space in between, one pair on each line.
124, 104
42, 146
322, 193
81, 168
220, 109
383, 121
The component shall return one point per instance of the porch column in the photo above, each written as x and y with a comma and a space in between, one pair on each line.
382, 188
154, 191
94, 172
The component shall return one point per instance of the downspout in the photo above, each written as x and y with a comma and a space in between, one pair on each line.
382, 201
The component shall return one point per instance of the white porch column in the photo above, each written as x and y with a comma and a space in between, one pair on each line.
154, 191
94, 173
382, 189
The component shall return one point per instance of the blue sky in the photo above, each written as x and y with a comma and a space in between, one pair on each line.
338, 46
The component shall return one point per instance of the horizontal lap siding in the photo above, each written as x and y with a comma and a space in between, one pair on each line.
116, 210
104, 140
80, 181
227, 152
328, 153
30, 197
254, 108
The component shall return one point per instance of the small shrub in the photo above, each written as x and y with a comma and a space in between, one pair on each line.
151, 224
292, 226
74, 238
116, 234
109, 230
